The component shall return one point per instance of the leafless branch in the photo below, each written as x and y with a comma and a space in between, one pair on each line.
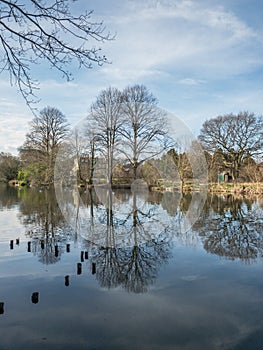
36, 31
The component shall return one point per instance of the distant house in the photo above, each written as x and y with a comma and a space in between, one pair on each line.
224, 176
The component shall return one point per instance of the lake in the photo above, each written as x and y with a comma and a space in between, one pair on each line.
130, 270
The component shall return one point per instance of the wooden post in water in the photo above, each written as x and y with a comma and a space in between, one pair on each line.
56, 250
79, 268
82, 256
68, 248
2, 311
67, 280
86, 255
29, 247
35, 297
11, 244
93, 268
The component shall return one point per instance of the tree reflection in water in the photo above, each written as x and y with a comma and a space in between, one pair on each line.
232, 227
46, 227
130, 236
133, 265
8, 197
134, 268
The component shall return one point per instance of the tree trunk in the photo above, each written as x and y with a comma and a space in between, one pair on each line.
92, 165
135, 167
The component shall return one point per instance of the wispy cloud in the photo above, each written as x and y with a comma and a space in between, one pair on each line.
181, 35
196, 56
191, 81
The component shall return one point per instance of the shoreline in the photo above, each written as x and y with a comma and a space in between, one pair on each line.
242, 188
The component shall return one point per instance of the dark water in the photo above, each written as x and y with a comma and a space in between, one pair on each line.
146, 284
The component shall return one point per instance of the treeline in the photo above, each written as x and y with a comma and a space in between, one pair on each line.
122, 131
125, 136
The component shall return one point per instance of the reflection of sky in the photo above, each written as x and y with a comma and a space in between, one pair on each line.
198, 302
11, 228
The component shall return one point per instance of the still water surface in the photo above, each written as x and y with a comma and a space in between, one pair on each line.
200, 289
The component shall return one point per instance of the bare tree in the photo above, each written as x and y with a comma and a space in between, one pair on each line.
250, 171
78, 148
106, 118
46, 30
181, 160
238, 136
47, 132
144, 127
93, 149
84, 148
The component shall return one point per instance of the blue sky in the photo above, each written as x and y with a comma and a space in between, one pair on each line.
200, 58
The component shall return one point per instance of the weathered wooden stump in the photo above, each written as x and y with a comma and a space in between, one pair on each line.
35, 297
2, 311
67, 280
56, 250
79, 268
93, 268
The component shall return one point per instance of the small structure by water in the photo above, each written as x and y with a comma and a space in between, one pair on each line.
224, 177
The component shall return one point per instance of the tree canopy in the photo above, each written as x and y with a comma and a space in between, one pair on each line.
129, 124
237, 136
47, 132
9, 166
106, 117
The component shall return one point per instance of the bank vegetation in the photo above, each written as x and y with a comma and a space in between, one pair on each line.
126, 137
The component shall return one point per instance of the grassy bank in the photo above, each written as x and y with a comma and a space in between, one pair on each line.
237, 188
246, 188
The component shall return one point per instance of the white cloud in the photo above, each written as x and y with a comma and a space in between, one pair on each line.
187, 52
180, 35
12, 133
14, 118
191, 81
192, 12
